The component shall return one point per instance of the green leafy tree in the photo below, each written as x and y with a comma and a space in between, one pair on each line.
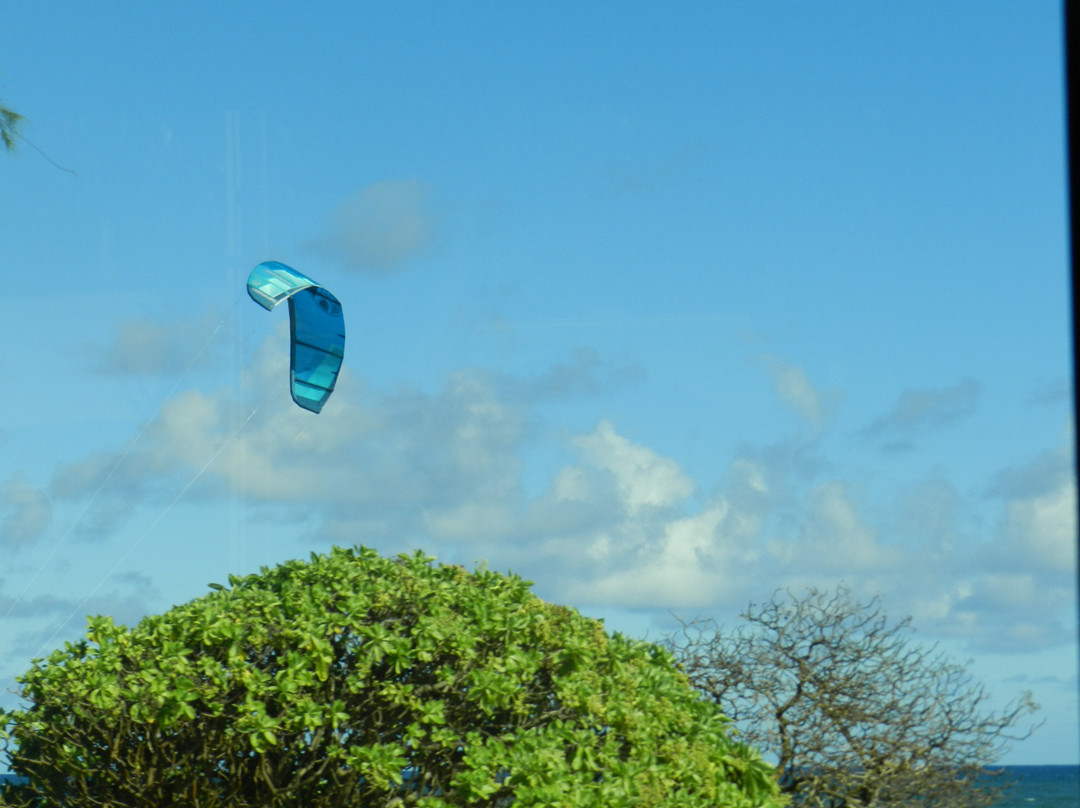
855, 714
9, 125
358, 680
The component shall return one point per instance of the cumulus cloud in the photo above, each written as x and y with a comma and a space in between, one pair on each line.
929, 514
1044, 528
586, 374
644, 479
1012, 612
381, 228
36, 606
1036, 477
128, 598
919, 411
1005, 587
144, 346
688, 562
26, 513
395, 456
833, 537
794, 389
617, 524
768, 526
405, 451
1039, 524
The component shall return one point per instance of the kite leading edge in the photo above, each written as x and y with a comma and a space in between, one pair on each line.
317, 328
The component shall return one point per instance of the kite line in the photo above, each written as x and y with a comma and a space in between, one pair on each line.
127, 451
148, 530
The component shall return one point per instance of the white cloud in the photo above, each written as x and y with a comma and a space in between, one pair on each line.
919, 411
695, 561
1013, 611
473, 522
794, 389
1039, 526
1044, 528
411, 455
142, 346
586, 374
826, 539
618, 525
838, 537
644, 479
380, 228
26, 512
930, 515
1009, 587
129, 598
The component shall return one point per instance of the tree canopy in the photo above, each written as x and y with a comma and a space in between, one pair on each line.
353, 679
855, 714
9, 125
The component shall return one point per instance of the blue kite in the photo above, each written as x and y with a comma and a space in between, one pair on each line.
316, 324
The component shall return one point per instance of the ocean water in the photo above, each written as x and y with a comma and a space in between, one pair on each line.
1043, 787
1037, 787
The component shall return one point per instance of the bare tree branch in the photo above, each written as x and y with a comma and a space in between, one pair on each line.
855, 714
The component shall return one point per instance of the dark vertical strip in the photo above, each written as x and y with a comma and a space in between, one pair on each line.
1072, 132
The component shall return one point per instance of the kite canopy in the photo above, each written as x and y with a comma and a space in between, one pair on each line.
316, 324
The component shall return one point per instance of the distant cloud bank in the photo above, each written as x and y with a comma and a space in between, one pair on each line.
617, 523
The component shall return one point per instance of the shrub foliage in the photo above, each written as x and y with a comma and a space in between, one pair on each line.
354, 679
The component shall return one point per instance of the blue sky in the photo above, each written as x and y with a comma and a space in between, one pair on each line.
663, 307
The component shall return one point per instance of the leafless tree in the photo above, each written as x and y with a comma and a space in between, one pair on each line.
856, 715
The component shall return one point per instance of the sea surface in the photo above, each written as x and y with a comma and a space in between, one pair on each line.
1037, 787
1043, 787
